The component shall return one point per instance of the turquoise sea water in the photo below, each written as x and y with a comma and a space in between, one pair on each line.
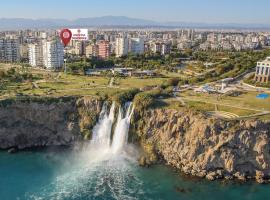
65, 175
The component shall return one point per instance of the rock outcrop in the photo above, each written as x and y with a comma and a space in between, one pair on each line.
207, 147
47, 122
196, 144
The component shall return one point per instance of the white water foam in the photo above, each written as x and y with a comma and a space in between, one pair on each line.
102, 131
103, 167
120, 138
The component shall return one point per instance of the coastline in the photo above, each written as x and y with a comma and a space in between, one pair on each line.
193, 143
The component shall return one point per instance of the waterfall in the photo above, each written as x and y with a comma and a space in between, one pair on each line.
104, 166
103, 130
120, 138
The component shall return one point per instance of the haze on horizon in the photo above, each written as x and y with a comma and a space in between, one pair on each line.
206, 11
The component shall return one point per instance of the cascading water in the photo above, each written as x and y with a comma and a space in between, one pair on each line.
120, 138
102, 131
104, 168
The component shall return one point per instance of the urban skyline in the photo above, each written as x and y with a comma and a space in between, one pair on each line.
135, 99
206, 11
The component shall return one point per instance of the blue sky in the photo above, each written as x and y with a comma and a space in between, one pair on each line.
211, 11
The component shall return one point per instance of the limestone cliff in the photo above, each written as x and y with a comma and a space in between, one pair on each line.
28, 123
207, 147
196, 144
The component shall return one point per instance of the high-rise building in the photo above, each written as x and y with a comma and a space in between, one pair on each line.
192, 35
91, 50
136, 45
53, 54
165, 49
156, 47
35, 55
24, 51
212, 37
9, 50
121, 46
104, 49
263, 71
79, 48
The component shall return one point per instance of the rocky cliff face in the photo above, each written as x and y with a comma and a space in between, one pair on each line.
53, 122
197, 145
207, 147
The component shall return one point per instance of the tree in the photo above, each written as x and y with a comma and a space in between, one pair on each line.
173, 82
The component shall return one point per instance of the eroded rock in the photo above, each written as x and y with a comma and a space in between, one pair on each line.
202, 146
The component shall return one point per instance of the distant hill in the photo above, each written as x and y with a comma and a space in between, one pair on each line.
114, 21
111, 21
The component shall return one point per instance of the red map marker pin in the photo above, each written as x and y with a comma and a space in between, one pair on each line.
66, 36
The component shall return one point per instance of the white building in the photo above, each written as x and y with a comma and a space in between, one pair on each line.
263, 71
9, 50
136, 45
121, 46
43, 35
161, 48
53, 54
165, 49
35, 55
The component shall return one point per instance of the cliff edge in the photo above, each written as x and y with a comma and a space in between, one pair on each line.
202, 146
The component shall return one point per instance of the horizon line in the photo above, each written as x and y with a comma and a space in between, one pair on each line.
138, 18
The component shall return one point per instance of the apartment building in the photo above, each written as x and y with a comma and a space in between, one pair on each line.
9, 50
104, 49
91, 50
35, 55
121, 46
53, 54
136, 45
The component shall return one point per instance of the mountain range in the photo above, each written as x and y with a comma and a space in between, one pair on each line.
114, 21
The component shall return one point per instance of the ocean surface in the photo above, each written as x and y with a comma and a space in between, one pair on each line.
69, 175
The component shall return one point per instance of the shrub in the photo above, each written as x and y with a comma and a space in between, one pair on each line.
125, 96
145, 100
173, 82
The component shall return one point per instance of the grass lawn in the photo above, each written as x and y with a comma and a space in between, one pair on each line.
139, 82
247, 101
60, 84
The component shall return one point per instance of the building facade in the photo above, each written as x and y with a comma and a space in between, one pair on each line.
91, 50
80, 48
161, 48
53, 54
35, 55
136, 45
121, 46
9, 50
263, 71
104, 49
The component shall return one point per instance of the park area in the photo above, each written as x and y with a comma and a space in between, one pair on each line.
19, 81
246, 105
55, 84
